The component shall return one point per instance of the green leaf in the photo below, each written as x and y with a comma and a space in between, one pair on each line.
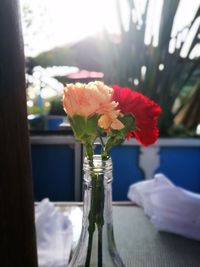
85, 129
116, 137
129, 123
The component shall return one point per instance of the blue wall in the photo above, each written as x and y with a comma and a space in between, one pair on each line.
125, 169
53, 172
53, 169
182, 166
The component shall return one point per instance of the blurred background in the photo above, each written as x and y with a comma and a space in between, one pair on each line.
152, 46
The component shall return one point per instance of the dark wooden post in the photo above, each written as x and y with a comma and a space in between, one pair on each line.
17, 231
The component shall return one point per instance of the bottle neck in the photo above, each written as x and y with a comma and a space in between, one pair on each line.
97, 169
97, 186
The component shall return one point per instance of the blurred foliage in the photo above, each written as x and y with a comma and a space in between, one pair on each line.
57, 107
35, 109
57, 56
188, 115
37, 122
123, 62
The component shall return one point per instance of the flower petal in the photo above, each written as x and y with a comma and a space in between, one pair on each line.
144, 110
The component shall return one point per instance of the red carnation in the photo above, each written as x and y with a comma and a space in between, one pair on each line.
144, 110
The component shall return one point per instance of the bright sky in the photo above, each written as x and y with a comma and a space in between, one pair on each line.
59, 22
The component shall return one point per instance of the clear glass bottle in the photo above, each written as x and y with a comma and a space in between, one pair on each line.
96, 246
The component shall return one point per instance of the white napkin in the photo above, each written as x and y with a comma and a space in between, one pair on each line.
54, 235
169, 207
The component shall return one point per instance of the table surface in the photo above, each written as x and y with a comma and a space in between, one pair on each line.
141, 245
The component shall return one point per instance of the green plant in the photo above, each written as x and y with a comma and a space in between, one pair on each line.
188, 114
123, 62
57, 56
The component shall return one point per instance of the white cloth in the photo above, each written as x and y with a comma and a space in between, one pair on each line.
169, 207
54, 235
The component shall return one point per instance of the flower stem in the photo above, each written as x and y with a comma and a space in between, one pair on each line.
101, 140
99, 217
96, 216
89, 152
89, 249
100, 256
91, 219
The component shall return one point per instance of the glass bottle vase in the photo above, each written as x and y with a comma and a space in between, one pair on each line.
96, 246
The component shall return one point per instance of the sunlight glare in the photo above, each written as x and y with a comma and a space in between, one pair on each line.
143, 72
153, 22
56, 23
195, 53
190, 37
52, 23
161, 67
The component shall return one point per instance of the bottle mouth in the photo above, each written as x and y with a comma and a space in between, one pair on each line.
98, 167
97, 162
98, 158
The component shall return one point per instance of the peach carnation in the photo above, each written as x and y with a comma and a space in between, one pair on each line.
90, 99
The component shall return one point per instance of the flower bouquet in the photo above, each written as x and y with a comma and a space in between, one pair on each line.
111, 114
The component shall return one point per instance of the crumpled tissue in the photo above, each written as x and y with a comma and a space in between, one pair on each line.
54, 234
170, 208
